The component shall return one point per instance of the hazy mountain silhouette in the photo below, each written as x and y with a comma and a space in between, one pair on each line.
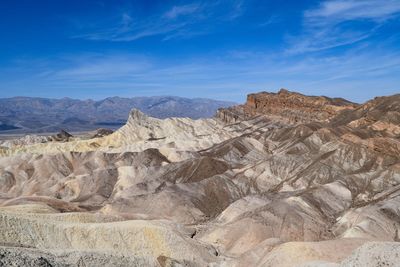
31, 114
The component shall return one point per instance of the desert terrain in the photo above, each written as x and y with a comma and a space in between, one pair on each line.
284, 179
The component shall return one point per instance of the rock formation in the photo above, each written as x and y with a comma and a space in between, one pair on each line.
27, 115
288, 107
101, 132
283, 180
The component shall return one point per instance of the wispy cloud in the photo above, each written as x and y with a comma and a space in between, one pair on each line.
271, 20
237, 10
104, 67
337, 23
126, 29
183, 10
355, 74
179, 21
343, 10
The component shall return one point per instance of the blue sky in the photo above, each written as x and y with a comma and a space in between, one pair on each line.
216, 49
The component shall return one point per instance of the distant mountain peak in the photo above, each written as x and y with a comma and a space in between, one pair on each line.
30, 115
137, 115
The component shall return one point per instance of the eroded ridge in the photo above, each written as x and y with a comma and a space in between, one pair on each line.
284, 180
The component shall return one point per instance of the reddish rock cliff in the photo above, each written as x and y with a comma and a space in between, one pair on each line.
287, 106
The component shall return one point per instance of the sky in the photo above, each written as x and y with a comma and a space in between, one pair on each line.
221, 49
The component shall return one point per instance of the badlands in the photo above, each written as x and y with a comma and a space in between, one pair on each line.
282, 180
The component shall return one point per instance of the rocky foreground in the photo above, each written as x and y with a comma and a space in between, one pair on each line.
283, 180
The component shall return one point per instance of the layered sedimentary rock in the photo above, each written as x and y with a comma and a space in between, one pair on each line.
273, 188
286, 106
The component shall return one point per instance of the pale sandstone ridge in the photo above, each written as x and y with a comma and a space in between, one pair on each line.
146, 240
174, 137
269, 189
62, 136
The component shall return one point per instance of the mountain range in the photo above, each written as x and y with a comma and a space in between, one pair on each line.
30, 114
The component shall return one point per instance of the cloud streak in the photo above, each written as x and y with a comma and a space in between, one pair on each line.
353, 75
336, 23
337, 11
177, 11
179, 21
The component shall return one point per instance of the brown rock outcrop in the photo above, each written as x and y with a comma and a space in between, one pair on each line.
287, 106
